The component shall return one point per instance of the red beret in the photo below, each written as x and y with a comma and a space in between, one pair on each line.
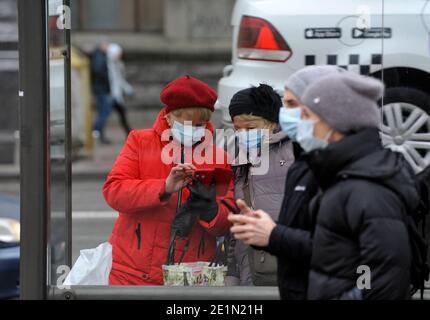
187, 92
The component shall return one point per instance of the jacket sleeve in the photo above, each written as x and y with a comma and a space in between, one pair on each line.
219, 226
123, 190
383, 242
296, 244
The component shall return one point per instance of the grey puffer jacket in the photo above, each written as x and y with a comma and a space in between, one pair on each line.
266, 192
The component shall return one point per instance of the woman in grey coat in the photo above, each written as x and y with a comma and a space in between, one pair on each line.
259, 177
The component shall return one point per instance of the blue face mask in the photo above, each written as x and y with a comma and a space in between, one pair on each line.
306, 138
249, 139
288, 120
186, 134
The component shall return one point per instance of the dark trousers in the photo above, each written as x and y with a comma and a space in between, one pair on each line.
104, 107
122, 113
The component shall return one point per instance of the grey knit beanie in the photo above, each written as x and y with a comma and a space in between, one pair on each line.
300, 80
346, 102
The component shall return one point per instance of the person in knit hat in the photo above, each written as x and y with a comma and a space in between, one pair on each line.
346, 102
299, 81
163, 217
295, 87
366, 193
254, 112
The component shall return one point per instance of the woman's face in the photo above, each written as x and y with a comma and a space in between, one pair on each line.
321, 129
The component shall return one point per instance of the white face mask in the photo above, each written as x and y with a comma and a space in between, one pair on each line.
250, 139
288, 120
186, 134
306, 138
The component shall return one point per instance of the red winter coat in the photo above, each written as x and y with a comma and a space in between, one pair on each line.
132, 188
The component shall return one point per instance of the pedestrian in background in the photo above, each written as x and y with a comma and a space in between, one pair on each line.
101, 89
119, 86
252, 110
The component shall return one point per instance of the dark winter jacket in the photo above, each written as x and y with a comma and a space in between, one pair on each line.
291, 239
366, 193
99, 72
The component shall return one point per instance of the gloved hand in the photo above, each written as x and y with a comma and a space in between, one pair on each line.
184, 221
201, 203
202, 200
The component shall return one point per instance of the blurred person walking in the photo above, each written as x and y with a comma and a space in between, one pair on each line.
118, 84
101, 89
145, 189
253, 110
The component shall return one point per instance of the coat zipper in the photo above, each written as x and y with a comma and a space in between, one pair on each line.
138, 234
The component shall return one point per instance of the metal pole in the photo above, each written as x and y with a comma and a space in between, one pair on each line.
68, 142
33, 110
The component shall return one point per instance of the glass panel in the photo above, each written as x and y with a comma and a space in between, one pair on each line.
330, 34
108, 14
406, 120
406, 73
58, 232
75, 7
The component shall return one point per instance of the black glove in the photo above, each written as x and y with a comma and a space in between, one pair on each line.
202, 200
184, 221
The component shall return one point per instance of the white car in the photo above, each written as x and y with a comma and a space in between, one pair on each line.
274, 38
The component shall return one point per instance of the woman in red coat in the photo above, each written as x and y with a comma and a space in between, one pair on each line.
144, 184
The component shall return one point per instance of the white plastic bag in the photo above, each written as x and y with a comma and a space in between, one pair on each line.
92, 267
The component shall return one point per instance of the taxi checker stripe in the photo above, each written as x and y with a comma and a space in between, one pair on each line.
353, 62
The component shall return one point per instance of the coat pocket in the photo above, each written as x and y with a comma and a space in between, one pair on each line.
138, 235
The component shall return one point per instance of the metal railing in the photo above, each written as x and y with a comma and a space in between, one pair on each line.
163, 293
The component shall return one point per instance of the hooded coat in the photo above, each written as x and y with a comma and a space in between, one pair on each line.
141, 234
367, 191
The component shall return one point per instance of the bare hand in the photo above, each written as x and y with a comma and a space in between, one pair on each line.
179, 177
252, 227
